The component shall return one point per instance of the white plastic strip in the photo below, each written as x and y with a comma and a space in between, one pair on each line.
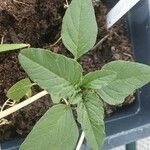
22, 104
119, 10
80, 141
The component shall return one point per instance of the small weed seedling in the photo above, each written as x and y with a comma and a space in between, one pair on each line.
62, 78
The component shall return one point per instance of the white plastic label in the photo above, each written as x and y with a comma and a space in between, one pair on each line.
120, 9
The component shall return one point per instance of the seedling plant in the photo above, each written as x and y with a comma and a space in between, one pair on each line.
70, 90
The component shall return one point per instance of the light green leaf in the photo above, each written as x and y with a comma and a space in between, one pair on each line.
75, 98
19, 90
91, 115
10, 47
130, 76
56, 130
29, 93
98, 79
79, 28
55, 98
55, 73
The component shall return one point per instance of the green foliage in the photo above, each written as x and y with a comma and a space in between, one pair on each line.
91, 115
98, 79
79, 28
56, 130
75, 98
62, 78
130, 76
20, 89
55, 98
55, 73
10, 47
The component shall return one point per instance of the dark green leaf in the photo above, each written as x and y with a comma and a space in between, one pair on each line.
91, 115
79, 29
56, 130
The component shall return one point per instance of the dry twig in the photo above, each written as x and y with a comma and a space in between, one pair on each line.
16, 1
66, 5
4, 122
56, 42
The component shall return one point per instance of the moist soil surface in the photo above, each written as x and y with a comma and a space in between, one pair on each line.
39, 23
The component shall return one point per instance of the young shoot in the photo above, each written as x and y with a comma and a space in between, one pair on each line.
63, 79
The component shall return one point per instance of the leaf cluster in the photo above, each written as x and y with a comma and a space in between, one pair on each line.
63, 78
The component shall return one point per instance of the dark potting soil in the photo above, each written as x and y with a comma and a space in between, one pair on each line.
39, 23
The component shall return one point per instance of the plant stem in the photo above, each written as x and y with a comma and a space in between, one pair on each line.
56, 42
66, 101
101, 41
80, 141
2, 40
22, 104
2, 108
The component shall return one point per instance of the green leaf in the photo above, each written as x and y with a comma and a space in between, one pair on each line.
55, 73
19, 90
79, 28
75, 98
29, 93
91, 115
10, 47
56, 130
98, 79
55, 98
130, 76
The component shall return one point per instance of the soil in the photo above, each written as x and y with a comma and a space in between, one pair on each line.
39, 23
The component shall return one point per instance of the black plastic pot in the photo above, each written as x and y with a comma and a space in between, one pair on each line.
11, 145
132, 123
